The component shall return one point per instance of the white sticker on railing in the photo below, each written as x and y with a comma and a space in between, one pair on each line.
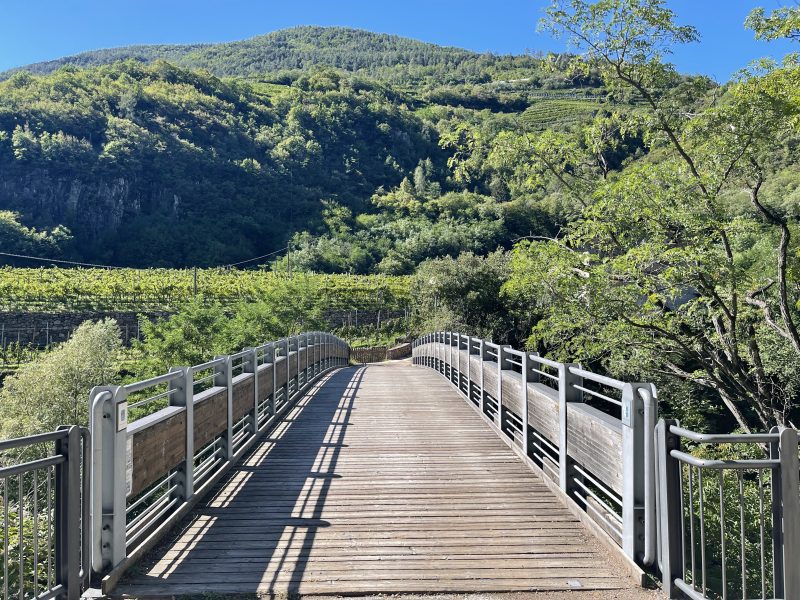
129, 467
122, 416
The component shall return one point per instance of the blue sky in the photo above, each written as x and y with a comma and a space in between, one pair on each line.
35, 30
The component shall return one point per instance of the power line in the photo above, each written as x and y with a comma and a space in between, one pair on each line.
63, 262
97, 266
241, 262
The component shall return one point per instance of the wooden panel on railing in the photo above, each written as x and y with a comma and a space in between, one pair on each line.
595, 438
158, 445
264, 381
280, 372
292, 364
243, 395
595, 441
303, 353
210, 415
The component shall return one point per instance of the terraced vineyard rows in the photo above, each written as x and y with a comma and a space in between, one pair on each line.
55, 289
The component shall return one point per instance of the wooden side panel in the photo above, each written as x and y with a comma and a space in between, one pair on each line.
264, 381
543, 411
210, 416
243, 395
157, 449
280, 373
595, 438
292, 364
595, 441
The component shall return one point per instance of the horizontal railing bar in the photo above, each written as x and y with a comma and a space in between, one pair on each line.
545, 361
727, 438
54, 592
597, 394
207, 365
740, 465
144, 515
602, 379
152, 491
38, 438
152, 398
132, 536
138, 386
204, 379
33, 465
597, 498
613, 496
546, 374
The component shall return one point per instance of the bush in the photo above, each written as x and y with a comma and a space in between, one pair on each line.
54, 389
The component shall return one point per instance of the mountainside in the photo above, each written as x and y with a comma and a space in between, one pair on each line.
364, 152
297, 48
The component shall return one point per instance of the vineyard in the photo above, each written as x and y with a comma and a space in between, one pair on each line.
548, 112
56, 289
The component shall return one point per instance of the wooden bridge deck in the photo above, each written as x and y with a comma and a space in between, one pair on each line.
382, 480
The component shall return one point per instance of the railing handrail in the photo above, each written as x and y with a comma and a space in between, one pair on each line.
131, 506
636, 420
681, 501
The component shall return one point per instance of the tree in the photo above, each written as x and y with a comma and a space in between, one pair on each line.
54, 389
465, 294
661, 272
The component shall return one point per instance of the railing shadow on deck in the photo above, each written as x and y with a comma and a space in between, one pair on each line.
289, 475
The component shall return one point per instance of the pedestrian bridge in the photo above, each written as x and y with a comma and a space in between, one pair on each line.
472, 467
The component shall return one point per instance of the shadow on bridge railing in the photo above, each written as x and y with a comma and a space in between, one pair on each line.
160, 445
589, 434
292, 475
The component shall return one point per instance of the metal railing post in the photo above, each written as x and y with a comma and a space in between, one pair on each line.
790, 511
223, 377
111, 478
269, 357
528, 376
670, 502
566, 393
469, 367
68, 515
309, 345
182, 394
458, 362
483, 355
502, 365
636, 460
251, 366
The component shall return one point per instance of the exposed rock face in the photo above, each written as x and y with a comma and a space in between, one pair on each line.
95, 207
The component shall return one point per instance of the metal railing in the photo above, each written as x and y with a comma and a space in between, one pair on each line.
590, 434
729, 514
160, 444
44, 484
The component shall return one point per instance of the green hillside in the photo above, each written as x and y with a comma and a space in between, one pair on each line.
378, 55
368, 152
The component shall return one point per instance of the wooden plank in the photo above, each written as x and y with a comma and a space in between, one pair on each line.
157, 449
210, 416
383, 480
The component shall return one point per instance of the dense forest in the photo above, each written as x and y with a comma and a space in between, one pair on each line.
164, 165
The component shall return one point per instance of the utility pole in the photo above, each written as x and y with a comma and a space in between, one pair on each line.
194, 281
289, 259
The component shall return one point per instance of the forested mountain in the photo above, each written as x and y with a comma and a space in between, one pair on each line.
387, 57
166, 165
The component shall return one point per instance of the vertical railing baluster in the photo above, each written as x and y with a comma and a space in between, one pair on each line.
567, 393
182, 394
223, 377
671, 498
